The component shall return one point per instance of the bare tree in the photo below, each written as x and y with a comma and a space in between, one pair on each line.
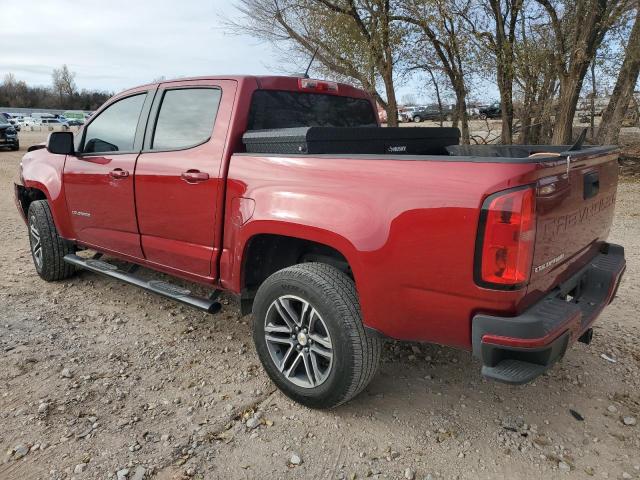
64, 84
16, 93
439, 22
536, 80
579, 27
494, 24
622, 95
356, 39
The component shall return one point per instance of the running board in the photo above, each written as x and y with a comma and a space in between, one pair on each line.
159, 287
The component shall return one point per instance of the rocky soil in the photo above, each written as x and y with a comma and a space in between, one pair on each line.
99, 380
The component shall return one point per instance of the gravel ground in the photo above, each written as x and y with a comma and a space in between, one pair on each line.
101, 380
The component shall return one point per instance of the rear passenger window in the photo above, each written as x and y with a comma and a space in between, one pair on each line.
186, 118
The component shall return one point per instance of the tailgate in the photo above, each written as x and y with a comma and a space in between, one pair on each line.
575, 207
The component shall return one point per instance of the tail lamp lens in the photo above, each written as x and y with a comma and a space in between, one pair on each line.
508, 237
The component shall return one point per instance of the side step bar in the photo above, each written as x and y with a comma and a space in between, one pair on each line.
164, 289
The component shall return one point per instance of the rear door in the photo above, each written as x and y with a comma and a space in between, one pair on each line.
98, 180
178, 177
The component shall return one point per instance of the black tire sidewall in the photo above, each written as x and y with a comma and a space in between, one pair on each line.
333, 389
54, 248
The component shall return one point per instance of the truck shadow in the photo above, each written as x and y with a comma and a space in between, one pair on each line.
446, 382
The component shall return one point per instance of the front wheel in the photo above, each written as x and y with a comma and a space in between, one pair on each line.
309, 335
417, 119
47, 247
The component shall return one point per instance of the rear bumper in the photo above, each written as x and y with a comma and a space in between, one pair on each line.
518, 349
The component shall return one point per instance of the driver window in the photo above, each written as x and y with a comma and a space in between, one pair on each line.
114, 130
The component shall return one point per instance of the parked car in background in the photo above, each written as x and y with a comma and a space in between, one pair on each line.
492, 111
38, 117
10, 119
52, 123
26, 122
75, 122
77, 115
420, 114
8, 135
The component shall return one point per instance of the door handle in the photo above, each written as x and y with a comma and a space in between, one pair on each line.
194, 176
119, 173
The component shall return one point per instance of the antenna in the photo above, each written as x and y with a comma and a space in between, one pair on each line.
306, 72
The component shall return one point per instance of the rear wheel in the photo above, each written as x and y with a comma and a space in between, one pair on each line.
310, 338
47, 247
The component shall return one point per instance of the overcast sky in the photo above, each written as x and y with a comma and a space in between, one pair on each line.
117, 44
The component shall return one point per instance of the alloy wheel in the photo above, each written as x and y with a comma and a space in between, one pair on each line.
298, 341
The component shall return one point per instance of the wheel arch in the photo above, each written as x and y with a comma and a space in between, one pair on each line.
265, 253
31, 191
25, 196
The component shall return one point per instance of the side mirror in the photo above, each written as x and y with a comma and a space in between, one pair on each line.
60, 143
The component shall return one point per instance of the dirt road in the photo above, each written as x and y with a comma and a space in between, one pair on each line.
101, 380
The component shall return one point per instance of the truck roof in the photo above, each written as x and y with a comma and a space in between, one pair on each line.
266, 82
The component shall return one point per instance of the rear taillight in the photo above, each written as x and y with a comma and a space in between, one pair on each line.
317, 85
504, 249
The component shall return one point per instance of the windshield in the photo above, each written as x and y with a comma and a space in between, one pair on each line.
285, 109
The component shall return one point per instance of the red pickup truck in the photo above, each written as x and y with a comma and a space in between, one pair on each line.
500, 250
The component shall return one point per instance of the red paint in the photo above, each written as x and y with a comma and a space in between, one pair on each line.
407, 228
90, 188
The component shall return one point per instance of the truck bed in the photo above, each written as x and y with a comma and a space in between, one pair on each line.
409, 225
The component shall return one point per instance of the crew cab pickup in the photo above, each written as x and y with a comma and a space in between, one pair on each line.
500, 250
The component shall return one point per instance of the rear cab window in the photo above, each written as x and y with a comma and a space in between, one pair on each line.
289, 109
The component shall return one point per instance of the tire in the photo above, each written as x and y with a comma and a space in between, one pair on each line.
417, 119
15, 147
44, 238
334, 328
483, 116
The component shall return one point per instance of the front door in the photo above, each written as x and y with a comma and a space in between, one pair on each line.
98, 180
178, 178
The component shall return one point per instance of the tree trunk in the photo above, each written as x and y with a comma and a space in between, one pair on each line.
506, 107
437, 89
461, 108
615, 112
593, 99
570, 86
392, 103
505, 85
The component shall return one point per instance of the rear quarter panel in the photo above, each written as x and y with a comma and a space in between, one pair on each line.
407, 229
